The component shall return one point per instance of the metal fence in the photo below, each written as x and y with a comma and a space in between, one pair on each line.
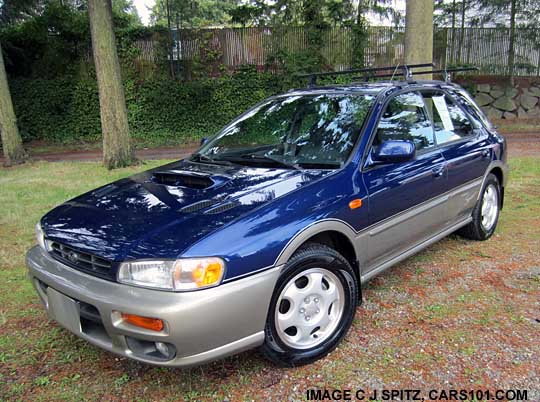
487, 48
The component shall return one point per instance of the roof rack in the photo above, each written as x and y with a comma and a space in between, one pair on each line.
399, 70
404, 68
446, 73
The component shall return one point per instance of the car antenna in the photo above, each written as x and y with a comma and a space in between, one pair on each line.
407, 73
447, 75
394, 73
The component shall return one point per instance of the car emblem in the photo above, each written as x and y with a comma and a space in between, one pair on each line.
73, 256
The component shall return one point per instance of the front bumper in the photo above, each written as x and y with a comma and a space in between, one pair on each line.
200, 326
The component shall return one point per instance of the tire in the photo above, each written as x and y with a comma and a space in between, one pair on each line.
485, 215
318, 292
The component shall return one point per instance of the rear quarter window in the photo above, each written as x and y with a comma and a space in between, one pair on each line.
472, 108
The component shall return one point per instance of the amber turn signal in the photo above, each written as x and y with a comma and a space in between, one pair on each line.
357, 203
153, 324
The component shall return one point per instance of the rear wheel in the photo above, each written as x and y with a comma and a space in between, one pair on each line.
485, 215
312, 307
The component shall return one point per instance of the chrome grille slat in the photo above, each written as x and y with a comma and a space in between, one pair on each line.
80, 260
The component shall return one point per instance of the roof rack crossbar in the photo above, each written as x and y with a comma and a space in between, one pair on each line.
445, 72
312, 77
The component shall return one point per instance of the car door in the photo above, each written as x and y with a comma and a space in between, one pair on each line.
406, 200
464, 145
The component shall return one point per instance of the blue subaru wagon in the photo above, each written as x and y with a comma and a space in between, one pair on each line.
265, 236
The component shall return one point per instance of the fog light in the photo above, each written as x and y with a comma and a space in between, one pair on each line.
157, 351
162, 348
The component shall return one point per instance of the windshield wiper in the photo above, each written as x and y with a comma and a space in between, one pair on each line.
197, 157
271, 159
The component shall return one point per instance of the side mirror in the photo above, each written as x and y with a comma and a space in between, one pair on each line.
204, 140
394, 152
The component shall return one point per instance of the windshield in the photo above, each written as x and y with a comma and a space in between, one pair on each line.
308, 131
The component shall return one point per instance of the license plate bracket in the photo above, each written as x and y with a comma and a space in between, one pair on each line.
64, 310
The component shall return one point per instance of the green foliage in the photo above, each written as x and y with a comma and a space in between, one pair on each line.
192, 13
160, 111
46, 45
296, 62
207, 61
246, 14
56, 109
51, 38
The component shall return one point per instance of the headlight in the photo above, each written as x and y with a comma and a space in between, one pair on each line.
179, 275
40, 236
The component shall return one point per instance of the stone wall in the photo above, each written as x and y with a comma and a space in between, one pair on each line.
510, 101
504, 98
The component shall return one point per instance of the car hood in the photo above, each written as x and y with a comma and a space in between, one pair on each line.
171, 207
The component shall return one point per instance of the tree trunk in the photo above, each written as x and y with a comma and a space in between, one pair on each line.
453, 46
117, 150
462, 34
170, 39
511, 45
360, 35
177, 43
11, 140
419, 33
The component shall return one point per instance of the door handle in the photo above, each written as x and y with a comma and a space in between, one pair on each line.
438, 171
486, 152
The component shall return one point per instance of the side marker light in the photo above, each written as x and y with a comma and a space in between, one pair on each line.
354, 204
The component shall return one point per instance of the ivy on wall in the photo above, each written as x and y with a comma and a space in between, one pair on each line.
67, 110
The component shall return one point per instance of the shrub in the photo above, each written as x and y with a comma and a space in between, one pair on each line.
159, 111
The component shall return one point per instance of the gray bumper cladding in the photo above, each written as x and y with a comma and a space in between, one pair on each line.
200, 326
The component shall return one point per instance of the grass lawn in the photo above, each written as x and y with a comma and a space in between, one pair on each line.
459, 315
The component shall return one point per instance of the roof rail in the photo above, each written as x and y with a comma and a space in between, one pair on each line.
446, 73
399, 70
406, 70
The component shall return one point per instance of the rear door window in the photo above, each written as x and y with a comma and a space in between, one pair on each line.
450, 122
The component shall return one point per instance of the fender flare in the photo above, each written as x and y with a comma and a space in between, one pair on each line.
324, 225
504, 168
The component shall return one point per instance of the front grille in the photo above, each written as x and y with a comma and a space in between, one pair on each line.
81, 261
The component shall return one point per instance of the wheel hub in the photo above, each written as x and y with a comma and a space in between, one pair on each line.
311, 307
490, 207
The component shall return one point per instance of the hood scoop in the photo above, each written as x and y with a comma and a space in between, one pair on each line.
183, 179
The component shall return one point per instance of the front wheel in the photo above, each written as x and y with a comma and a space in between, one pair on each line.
485, 215
312, 307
